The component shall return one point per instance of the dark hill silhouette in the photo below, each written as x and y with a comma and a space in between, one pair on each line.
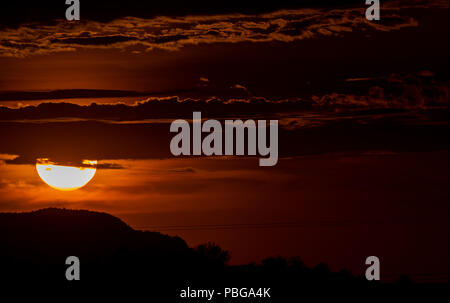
34, 247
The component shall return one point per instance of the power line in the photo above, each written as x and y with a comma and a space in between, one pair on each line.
304, 224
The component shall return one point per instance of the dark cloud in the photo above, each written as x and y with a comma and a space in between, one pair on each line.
399, 112
306, 133
46, 11
183, 170
103, 40
139, 34
107, 165
413, 91
73, 161
66, 94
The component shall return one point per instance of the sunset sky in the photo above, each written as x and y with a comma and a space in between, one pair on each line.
362, 109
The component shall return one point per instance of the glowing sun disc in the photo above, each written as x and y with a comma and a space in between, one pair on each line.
65, 178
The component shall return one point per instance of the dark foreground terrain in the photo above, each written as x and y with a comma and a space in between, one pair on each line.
115, 258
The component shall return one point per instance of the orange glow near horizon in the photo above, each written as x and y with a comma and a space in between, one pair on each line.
65, 178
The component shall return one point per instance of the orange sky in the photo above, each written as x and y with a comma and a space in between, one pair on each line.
363, 111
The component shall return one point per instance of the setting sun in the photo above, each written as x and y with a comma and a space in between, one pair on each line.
66, 178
